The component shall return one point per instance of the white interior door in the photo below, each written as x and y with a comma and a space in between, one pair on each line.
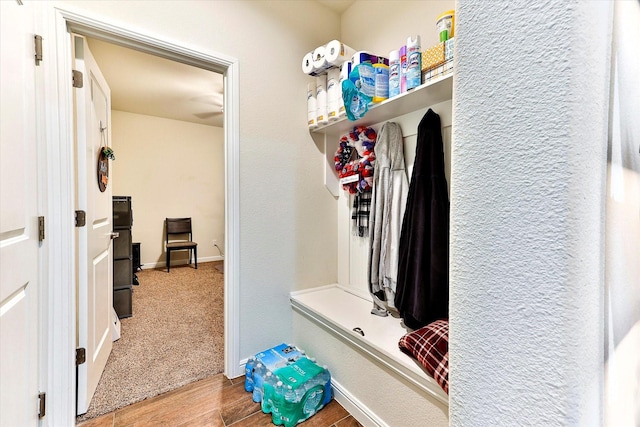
95, 257
18, 219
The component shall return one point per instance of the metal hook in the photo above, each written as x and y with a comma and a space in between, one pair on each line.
102, 129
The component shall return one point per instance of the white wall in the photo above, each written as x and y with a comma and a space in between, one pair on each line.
170, 169
622, 279
287, 225
391, 23
527, 197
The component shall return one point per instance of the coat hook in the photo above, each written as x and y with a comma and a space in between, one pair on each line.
102, 129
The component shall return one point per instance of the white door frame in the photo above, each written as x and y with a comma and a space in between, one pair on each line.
58, 304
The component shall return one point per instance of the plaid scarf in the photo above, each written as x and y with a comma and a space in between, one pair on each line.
360, 214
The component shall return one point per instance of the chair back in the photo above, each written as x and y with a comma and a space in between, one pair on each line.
178, 226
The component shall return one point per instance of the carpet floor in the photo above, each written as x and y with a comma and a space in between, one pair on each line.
175, 337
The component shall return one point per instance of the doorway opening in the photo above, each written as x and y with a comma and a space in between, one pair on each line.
68, 21
166, 125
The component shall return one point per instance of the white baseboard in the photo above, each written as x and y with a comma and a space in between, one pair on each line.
160, 264
356, 408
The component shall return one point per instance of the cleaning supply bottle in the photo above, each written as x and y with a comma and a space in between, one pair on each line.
394, 73
403, 69
414, 62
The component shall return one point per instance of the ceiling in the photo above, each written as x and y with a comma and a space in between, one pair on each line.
337, 5
147, 84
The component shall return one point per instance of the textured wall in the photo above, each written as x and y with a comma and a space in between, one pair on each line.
527, 193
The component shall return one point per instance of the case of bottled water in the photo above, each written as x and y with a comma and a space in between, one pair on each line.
302, 389
267, 361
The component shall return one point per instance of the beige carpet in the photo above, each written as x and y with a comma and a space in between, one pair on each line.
175, 337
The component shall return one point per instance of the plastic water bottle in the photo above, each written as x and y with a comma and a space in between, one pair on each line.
259, 373
269, 380
248, 374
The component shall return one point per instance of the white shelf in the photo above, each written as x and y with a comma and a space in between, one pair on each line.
434, 91
339, 311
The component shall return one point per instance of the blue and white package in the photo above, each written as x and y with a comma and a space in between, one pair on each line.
265, 362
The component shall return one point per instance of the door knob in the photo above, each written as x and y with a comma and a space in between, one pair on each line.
114, 235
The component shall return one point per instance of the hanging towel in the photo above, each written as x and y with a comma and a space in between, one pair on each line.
390, 188
360, 213
422, 293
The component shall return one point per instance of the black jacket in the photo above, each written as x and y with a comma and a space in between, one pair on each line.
422, 293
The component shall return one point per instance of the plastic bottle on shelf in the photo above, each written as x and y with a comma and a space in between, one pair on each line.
414, 62
381, 82
403, 69
394, 73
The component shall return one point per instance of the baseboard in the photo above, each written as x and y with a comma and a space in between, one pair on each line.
355, 407
160, 264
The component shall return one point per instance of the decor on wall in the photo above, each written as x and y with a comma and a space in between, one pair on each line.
105, 154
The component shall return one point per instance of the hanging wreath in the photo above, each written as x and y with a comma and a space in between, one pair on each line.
356, 176
105, 154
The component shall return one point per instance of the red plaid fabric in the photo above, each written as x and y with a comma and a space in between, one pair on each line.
429, 345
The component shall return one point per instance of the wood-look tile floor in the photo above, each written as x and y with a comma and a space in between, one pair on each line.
215, 401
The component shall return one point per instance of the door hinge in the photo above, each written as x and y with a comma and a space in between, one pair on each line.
42, 405
81, 356
41, 228
81, 218
38, 42
76, 78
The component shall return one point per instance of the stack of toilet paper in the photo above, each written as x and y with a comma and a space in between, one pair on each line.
323, 58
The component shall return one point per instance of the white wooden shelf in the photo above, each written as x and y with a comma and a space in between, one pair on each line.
339, 311
433, 92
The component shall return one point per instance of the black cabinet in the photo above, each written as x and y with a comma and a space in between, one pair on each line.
123, 273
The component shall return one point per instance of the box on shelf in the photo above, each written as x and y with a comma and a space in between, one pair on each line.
442, 57
433, 56
290, 386
439, 70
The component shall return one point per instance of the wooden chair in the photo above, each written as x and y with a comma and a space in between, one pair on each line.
176, 231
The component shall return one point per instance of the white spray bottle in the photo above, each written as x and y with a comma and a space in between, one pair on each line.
414, 62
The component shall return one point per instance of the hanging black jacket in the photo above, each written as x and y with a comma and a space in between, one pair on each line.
422, 293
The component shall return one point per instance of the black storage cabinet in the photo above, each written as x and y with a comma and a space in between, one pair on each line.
122, 257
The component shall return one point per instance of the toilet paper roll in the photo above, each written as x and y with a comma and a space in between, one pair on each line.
319, 60
334, 93
336, 53
307, 63
311, 106
321, 100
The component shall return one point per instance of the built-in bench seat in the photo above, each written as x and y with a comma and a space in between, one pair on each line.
342, 312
